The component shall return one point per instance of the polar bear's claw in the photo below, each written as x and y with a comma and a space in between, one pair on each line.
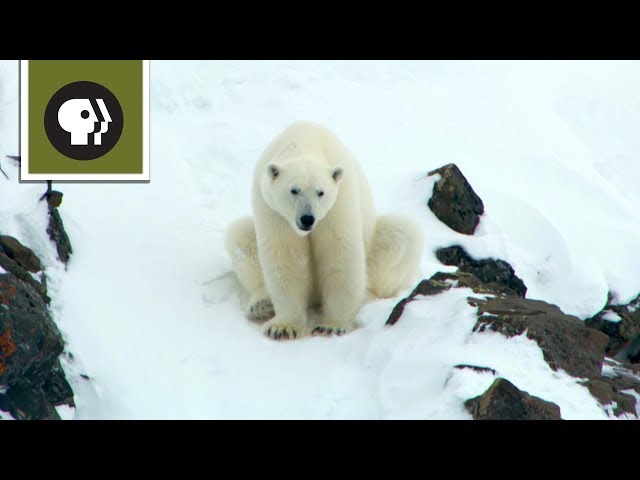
328, 331
281, 332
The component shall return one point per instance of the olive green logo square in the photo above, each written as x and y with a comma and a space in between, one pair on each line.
84, 120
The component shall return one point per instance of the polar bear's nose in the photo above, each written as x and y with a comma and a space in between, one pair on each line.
307, 221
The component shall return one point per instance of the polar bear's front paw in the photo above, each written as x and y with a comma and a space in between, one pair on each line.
328, 330
261, 310
281, 330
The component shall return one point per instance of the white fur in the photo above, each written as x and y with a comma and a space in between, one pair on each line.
350, 255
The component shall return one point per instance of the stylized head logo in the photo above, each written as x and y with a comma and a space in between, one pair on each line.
79, 122
78, 117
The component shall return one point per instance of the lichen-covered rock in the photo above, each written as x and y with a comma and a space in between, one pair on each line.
454, 202
504, 401
30, 343
58, 235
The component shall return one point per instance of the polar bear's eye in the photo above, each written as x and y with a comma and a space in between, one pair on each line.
321, 194
295, 191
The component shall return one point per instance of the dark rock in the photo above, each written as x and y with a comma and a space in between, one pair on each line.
441, 282
31, 377
436, 284
30, 342
623, 376
476, 368
486, 270
454, 202
20, 254
608, 390
625, 370
452, 256
30, 345
12, 267
59, 236
504, 401
496, 271
621, 333
565, 341
56, 387
468, 280
27, 403
54, 198
631, 352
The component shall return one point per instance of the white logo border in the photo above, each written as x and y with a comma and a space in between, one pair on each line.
25, 176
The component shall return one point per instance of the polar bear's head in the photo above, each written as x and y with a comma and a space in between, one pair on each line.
301, 190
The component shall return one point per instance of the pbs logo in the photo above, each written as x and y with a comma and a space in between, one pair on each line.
83, 120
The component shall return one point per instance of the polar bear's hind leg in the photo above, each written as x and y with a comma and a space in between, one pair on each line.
393, 259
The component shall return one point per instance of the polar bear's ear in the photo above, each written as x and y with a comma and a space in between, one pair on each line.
337, 173
274, 170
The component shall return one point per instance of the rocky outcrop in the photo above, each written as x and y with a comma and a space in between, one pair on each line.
21, 255
621, 323
566, 342
453, 200
504, 401
32, 382
12, 258
564, 339
441, 282
608, 392
615, 385
55, 229
26, 403
487, 270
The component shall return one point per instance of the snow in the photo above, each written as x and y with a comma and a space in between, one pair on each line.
611, 316
6, 416
152, 317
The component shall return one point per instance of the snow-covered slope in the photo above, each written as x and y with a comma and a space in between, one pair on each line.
552, 148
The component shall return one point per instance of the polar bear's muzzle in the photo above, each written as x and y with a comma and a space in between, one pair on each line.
306, 222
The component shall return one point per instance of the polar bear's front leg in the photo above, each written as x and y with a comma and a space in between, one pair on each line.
341, 272
287, 273
241, 245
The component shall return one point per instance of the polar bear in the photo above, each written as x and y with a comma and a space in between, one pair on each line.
315, 240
